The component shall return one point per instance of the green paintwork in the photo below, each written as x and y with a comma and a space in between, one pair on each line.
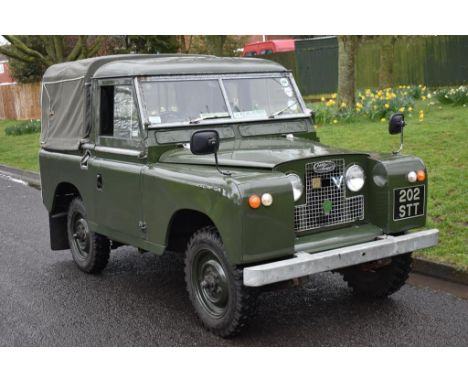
148, 183
337, 238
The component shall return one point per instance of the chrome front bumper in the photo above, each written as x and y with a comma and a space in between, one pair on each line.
304, 264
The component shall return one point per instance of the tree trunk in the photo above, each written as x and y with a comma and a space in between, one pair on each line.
215, 44
387, 46
347, 50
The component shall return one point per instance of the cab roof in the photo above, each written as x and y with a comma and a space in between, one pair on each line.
156, 65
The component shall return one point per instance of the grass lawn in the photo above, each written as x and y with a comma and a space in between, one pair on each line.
441, 141
19, 151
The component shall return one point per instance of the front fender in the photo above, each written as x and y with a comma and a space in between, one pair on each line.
248, 235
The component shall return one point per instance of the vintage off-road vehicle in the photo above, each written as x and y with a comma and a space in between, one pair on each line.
218, 158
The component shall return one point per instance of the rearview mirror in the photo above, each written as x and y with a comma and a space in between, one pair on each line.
396, 123
204, 142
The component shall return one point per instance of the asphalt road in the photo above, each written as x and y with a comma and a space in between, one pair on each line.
140, 300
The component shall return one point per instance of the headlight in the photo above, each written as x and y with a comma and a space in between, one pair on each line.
297, 186
354, 178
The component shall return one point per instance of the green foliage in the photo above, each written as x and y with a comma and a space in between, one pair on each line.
24, 127
455, 96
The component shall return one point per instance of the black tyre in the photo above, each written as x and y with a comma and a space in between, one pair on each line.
215, 287
90, 250
379, 281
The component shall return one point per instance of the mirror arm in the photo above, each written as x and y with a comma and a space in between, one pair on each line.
401, 144
227, 173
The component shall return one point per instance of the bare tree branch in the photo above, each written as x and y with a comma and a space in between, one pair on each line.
76, 51
58, 45
18, 44
9, 53
92, 50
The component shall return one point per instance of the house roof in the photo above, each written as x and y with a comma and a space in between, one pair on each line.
156, 65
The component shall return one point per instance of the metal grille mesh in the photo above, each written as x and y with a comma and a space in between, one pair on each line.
343, 210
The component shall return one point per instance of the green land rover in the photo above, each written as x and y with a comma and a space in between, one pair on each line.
218, 158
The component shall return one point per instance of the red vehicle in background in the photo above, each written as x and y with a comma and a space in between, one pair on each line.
267, 47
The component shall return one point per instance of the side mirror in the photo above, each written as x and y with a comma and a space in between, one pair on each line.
396, 123
204, 142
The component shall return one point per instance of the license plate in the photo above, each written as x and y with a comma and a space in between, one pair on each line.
408, 202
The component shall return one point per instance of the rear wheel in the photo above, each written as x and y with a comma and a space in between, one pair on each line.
90, 250
215, 287
379, 280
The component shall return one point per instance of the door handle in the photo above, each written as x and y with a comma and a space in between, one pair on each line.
99, 182
84, 160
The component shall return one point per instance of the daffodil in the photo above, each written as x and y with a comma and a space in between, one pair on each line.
410, 109
387, 106
382, 119
322, 99
343, 105
335, 121
423, 98
401, 109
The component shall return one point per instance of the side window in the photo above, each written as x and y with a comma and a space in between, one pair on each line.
126, 123
118, 112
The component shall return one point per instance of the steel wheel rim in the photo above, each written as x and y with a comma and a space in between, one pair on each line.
80, 233
210, 283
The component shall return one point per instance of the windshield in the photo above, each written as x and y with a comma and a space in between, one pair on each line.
261, 97
183, 101
193, 101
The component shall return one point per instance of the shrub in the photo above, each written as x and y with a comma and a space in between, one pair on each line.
24, 127
455, 96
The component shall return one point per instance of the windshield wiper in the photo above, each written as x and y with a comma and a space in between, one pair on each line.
212, 116
283, 110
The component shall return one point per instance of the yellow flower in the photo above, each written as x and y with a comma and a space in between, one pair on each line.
343, 104
387, 106
322, 99
410, 109
382, 120
359, 105
335, 121
401, 109
334, 95
423, 98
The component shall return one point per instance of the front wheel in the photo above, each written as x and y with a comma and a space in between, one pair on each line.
215, 287
377, 279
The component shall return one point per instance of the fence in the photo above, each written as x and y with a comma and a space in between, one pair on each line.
20, 101
430, 60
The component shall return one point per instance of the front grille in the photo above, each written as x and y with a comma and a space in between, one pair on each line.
327, 205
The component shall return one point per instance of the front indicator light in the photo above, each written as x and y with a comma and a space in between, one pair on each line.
267, 200
421, 175
412, 176
254, 201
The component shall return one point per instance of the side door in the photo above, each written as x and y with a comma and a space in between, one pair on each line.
119, 162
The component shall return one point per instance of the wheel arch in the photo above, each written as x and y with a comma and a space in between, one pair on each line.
182, 225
